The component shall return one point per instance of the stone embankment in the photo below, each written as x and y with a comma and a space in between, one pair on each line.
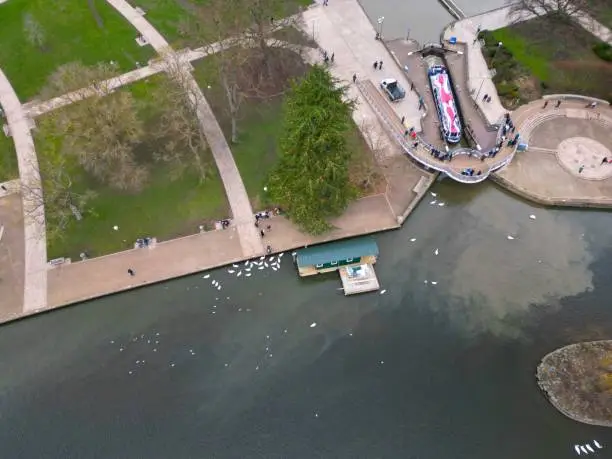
577, 380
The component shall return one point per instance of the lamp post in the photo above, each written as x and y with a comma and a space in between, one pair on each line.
380, 21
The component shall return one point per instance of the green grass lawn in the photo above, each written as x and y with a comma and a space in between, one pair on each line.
537, 58
167, 16
8, 159
164, 209
71, 31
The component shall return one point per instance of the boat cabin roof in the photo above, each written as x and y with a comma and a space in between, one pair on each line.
337, 251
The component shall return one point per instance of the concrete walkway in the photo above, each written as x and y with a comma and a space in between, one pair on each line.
596, 28
563, 166
35, 272
250, 241
480, 81
343, 28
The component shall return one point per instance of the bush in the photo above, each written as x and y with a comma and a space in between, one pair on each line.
508, 89
603, 51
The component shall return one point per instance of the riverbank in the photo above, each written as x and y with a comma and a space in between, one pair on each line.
577, 380
97, 277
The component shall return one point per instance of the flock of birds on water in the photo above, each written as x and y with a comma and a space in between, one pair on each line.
248, 267
587, 449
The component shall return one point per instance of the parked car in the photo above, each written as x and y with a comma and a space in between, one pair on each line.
394, 91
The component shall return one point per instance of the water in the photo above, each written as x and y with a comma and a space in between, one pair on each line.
422, 20
423, 371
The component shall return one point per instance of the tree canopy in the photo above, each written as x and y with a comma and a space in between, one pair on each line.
311, 180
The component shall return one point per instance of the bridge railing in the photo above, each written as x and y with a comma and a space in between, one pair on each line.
405, 144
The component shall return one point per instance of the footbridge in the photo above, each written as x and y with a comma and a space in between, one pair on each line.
470, 162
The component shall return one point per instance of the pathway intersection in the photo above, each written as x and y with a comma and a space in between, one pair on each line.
237, 197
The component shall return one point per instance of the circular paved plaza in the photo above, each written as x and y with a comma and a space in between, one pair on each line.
564, 163
585, 157
579, 137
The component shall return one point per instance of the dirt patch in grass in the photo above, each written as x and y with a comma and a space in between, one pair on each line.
538, 58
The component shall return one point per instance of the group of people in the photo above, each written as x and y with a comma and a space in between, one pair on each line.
143, 242
470, 171
442, 156
327, 58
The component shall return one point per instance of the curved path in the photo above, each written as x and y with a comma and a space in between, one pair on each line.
567, 145
250, 241
35, 273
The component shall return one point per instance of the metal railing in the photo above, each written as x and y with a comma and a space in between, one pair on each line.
401, 140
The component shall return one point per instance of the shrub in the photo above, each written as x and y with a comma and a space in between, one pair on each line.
603, 51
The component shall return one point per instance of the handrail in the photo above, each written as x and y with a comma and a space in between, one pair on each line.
405, 146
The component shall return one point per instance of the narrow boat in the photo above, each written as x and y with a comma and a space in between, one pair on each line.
583, 449
450, 124
589, 447
577, 448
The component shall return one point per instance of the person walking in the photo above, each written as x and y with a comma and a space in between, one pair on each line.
412, 86
545, 104
261, 233
580, 169
375, 65
558, 104
354, 77
403, 119
131, 272
332, 57
604, 161
484, 98
380, 65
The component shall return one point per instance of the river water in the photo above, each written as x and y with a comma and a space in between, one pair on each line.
422, 20
423, 371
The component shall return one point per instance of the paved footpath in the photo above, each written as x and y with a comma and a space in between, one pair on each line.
237, 196
35, 272
343, 28
479, 75
561, 140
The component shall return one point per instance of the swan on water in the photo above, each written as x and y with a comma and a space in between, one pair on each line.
596, 443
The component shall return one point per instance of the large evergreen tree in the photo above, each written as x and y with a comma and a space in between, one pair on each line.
311, 180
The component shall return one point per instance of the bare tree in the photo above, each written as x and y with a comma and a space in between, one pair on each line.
74, 78
554, 10
34, 32
180, 140
238, 36
101, 131
54, 199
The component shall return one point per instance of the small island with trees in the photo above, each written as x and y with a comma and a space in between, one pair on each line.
578, 381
